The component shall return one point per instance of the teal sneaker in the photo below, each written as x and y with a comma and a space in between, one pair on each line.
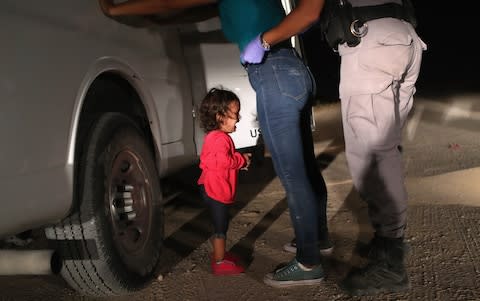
294, 275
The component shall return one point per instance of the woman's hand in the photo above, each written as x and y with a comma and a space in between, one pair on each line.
253, 52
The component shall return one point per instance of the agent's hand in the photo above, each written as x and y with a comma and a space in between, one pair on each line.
254, 52
105, 6
248, 160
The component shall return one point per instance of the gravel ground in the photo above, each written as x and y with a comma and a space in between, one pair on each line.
442, 165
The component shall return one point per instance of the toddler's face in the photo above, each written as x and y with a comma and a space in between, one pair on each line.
227, 123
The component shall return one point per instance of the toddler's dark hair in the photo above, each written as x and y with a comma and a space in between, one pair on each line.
215, 102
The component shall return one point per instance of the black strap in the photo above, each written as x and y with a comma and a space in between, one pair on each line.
387, 10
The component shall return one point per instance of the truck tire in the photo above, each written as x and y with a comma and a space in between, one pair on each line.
110, 245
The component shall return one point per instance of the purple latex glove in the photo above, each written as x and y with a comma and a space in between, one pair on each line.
254, 52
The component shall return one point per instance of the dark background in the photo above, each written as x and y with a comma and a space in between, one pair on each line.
450, 64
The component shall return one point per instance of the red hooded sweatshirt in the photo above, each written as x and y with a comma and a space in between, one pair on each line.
220, 164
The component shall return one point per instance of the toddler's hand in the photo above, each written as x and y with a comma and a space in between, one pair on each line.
248, 159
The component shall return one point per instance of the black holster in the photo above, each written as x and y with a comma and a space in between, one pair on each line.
339, 19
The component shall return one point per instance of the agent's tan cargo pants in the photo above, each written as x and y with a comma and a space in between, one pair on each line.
377, 83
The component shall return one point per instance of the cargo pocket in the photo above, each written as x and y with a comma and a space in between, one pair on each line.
360, 116
392, 55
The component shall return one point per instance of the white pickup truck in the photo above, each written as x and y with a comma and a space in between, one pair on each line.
95, 114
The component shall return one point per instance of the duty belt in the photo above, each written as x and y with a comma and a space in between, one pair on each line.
342, 23
387, 10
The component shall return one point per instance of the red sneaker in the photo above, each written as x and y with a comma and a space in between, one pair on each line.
226, 267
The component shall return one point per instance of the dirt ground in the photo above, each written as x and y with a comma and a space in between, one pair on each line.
443, 171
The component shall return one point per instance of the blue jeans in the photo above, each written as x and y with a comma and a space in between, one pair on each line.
284, 88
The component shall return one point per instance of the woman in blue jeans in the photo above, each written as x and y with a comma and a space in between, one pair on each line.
284, 88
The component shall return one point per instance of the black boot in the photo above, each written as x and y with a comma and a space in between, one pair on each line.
364, 250
384, 273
